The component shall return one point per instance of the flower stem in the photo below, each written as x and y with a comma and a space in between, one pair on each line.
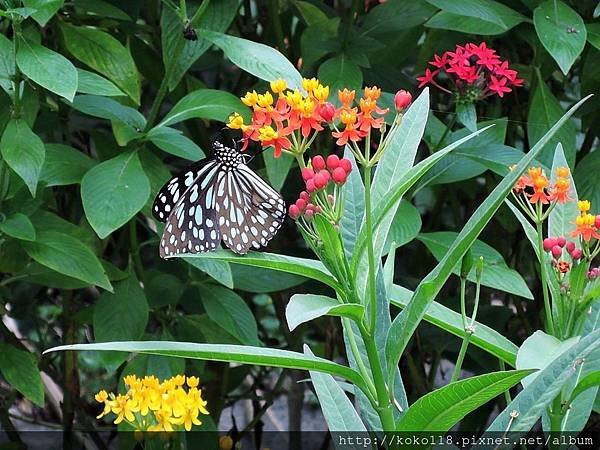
372, 294
461, 356
357, 356
544, 274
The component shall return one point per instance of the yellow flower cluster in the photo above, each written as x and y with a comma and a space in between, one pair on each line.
150, 405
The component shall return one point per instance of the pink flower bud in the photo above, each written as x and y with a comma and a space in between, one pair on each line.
561, 241
549, 243
570, 246
346, 164
301, 204
339, 176
294, 212
402, 99
326, 174
326, 111
333, 161
309, 214
576, 254
318, 162
304, 196
320, 180
307, 173
557, 251
310, 186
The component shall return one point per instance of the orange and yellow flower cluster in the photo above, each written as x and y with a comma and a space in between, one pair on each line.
150, 405
536, 187
586, 225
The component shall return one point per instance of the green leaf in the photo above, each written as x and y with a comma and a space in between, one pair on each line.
586, 178
533, 400
230, 312
18, 226
393, 17
406, 322
67, 255
179, 53
544, 111
262, 281
496, 274
444, 20
441, 409
242, 354
7, 65
104, 54
589, 381
561, 218
64, 165
338, 73
113, 192
122, 315
496, 157
593, 34
309, 268
443, 317
218, 270
44, 9
205, 104
561, 31
260, 60
467, 115
21, 371
353, 192
92, 83
405, 226
47, 68
305, 307
23, 151
174, 142
530, 231
277, 168
101, 8
107, 108
340, 414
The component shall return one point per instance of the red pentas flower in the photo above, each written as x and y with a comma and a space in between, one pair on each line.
472, 71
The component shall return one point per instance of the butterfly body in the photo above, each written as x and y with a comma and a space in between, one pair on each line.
217, 198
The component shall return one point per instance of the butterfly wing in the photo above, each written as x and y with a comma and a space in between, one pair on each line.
192, 227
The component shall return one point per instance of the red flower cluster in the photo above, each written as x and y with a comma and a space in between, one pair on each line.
556, 245
303, 207
474, 72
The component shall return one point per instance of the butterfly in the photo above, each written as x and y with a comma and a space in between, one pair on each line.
216, 198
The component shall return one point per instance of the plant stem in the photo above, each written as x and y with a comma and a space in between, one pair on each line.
547, 307
556, 419
160, 96
446, 131
372, 293
461, 356
357, 356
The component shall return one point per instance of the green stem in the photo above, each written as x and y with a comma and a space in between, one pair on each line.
357, 356
461, 356
556, 419
507, 397
463, 306
547, 307
160, 96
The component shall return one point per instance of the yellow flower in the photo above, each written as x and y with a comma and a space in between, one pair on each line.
348, 117
236, 122
310, 84
278, 86
193, 381
189, 417
102, 397
124, 407
163, 422
321, 93
267, 133
563, 172
584, 206
265, 100
250, 99
294, 99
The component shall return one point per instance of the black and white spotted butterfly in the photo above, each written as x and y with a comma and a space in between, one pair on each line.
216, 198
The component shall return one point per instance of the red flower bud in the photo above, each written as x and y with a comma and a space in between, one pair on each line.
561, 241
557, 251
570, 246
339, 176
318, 163
320, 180
304, 196
402, 99
346, 164
310, 186
576, 254
326, 111
307, 173
294, 212
301, 204
549, 243
333, 161
309, 214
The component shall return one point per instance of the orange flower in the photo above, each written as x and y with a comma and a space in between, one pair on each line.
349, 118
539, 183
367, 108
586, 227
346, 97
560, 190
268, 137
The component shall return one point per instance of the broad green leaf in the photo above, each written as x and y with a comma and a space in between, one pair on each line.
496, 274
539, 350
105, 54
107, 108
23, 151
309, 268
561, 31
593, 34
18, 226
354, 206
339, 412
205, 104
174, 142
448, 21
467, 115
394, 16
262, 281
406, 323
561, 218
242, 354
7, 65
64, 165
101, 8
338, 73
590, 381
218, 270
496, 157
305, 307
113, 192
545, 110
530, 231
230, 312
405, 226
533, 400
260, 60
486, 10
277, 168
586, 179
311, 14
21, 371
68, 255
92, 83
443, 317
44, 9
441, 409
179, 53
47, 68
162, 289
122, 315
